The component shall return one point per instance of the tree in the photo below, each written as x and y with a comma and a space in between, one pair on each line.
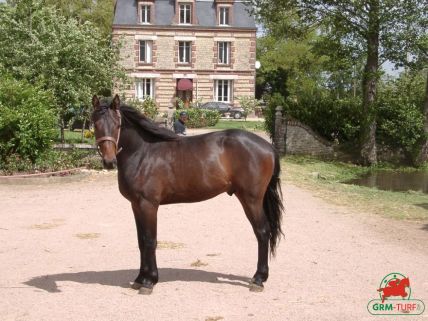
70, 60
422, 156
289, 67
98, 12
27, 120
368, 26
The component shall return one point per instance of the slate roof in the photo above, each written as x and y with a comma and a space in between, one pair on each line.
126, 14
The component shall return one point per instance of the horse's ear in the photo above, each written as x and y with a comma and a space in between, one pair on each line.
95, 102
115, 104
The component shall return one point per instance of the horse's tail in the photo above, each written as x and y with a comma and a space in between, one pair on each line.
273, 207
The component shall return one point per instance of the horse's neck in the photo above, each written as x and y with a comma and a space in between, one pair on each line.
130, 142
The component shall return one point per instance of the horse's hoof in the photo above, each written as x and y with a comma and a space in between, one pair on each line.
145, 291
136, 285
254, 287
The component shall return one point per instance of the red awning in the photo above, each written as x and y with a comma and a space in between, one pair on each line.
184, 84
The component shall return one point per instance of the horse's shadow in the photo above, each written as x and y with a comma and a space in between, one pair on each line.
121, 278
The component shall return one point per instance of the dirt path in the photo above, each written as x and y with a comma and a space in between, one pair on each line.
68, 251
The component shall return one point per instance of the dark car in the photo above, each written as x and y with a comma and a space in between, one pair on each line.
224, 108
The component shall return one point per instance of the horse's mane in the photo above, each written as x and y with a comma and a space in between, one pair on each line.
131, 116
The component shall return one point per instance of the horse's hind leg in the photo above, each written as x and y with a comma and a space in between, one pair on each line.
146, 221
253, 207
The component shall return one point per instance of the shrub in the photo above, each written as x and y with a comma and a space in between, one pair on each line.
248, 104
88, 133
198, 118
28, 121
269, 112
147, 107
51, 160
400, 123
332, 118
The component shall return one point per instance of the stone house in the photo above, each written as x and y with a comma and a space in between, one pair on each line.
197, 50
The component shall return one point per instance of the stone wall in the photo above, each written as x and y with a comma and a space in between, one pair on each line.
293, 137
302, 140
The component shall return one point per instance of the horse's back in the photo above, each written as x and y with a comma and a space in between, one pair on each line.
247, 159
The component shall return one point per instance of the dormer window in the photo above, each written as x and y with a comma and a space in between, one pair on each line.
185, 14
145, 14
223, 16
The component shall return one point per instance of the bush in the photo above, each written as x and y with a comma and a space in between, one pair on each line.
248, 104
198, 118
147, 107
269, 112
400, 123
332, 118
52, 160
28, 122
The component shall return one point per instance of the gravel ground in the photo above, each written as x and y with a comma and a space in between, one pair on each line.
69, 249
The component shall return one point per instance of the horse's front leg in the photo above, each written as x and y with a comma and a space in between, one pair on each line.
145, 214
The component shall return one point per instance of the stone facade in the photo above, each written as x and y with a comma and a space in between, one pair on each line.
204, 70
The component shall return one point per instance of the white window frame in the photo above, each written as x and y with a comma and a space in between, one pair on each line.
224, 16
148, 45
186, 58
145, 17
142, 85
186, 18
225, 93
223, 52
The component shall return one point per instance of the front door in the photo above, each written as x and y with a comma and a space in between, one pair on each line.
185, 91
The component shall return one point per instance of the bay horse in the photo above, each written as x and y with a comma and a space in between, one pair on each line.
155, 166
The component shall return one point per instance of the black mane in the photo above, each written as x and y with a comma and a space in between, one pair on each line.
131, 116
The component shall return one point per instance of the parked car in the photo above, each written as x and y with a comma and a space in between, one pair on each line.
224, 108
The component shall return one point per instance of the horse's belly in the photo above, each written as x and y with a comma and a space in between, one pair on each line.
195, 195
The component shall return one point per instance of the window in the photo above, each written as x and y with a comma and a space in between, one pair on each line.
184, 52
144, 88
145, 51
223, 90
223, 16
145, 14
185, 14
224, 53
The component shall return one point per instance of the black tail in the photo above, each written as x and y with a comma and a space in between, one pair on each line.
273, 207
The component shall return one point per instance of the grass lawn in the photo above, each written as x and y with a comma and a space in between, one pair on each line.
324, 180
74, 137
239, 124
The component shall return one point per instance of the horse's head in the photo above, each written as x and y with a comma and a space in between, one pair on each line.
405, 282
107, 123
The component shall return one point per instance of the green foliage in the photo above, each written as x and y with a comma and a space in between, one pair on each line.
289, 66
147, 107
27, 120
332, 118
269, 112
350, 32
400, 118
198, 118
52, 160
98, 12
248, 104
180, 103
70, 59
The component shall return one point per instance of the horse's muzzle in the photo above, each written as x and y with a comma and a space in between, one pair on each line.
110, 164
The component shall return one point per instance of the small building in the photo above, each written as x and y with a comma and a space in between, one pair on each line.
196, 50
